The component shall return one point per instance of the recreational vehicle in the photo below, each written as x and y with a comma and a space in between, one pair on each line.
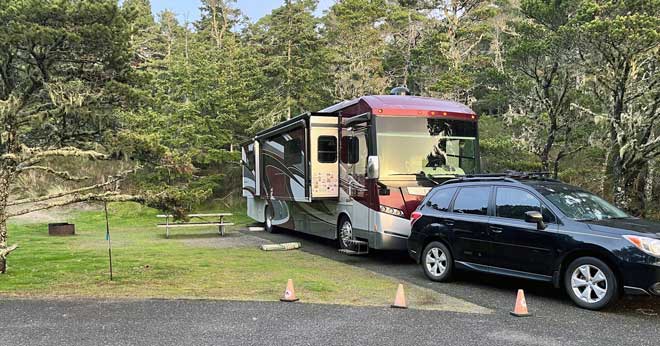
355, 171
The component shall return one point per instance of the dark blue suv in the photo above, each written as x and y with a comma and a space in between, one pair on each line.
538, 229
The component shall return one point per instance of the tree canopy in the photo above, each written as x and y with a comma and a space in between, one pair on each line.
566, 86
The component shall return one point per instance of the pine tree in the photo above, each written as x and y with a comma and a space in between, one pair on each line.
355, 36
289, 43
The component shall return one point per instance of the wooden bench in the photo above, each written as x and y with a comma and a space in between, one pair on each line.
220, 217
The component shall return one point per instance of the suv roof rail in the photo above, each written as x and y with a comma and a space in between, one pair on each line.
509, 176
476, 179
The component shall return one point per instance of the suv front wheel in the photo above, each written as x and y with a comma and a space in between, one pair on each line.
591, 283
437, 261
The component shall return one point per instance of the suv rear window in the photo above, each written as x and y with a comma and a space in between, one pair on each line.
441, 199
472, 200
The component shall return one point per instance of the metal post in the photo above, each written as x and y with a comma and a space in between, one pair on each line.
222, 227
167, 226
107, 235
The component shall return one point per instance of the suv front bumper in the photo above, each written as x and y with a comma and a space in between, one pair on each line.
642, 278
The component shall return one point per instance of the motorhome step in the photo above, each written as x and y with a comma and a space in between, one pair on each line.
356, 242
353, 253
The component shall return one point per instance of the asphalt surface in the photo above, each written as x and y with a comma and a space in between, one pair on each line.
195, 322
633, 320
555, 320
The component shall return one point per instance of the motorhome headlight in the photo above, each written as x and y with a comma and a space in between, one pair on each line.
649, 245
391, 211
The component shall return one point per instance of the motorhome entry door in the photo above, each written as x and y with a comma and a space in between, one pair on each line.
324, 147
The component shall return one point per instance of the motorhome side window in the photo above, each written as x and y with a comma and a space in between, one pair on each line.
293, 151
294, 142
327, 149
289, 146
350, 149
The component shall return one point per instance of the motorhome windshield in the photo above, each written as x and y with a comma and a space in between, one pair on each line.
433, 147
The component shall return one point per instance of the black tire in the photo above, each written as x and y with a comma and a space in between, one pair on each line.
429, 254
591, 298
343, 221
268, 220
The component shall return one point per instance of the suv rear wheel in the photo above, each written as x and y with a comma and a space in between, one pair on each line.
437, 261
590, 283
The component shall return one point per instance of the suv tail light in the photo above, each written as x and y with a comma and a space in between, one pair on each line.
415, 216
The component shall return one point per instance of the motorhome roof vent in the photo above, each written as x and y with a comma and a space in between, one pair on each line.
402, 91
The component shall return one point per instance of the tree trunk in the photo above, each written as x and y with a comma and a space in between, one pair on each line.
621, 186
555, 168
3, 245
649, 187
4, 197
640, 191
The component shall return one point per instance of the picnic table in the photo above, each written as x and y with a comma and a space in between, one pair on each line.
216, 219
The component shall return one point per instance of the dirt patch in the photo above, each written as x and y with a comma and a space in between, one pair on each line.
232, 239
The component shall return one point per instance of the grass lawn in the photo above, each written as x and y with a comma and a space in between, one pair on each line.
146, 265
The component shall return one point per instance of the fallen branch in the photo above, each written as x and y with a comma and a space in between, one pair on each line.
4, 252
281, 247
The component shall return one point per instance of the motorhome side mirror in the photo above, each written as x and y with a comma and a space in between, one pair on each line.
535, 217
373, 167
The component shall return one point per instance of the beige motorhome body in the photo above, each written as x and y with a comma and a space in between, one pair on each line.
335, 173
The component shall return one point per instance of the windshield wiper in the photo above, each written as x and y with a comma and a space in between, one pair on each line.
603, 218
420, 173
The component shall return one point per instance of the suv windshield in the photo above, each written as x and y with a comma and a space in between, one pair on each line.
578, 204
430, 146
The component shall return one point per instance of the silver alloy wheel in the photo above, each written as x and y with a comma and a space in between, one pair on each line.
346, 233
589, 283
436, 262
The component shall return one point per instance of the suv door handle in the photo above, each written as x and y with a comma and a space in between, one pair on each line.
495, 229
448, 222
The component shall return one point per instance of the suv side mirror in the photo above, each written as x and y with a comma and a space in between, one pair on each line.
536, 217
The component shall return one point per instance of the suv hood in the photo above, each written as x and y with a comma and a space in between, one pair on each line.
621, 226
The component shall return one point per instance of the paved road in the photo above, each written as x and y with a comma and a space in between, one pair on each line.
632, 318
195, 322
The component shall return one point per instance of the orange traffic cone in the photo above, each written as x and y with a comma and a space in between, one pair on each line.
520, 310
400, 299
289, 293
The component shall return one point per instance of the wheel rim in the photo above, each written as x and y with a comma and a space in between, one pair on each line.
436, 261
589, 283
269, 219
346, 233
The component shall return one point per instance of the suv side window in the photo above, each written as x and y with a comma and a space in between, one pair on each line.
514, 203
441, 199
472, 200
